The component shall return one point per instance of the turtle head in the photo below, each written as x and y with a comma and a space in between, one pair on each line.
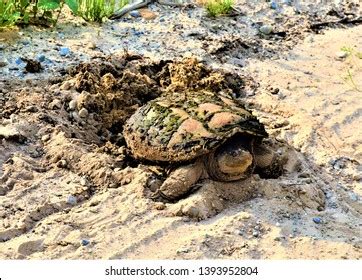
232, 160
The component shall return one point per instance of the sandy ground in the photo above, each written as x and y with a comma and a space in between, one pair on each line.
66, 180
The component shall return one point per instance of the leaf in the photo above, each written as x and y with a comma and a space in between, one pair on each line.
73, 5
49, 4
24, 3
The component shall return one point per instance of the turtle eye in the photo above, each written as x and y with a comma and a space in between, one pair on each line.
234, 153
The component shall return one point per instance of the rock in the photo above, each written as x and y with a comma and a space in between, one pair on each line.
85, 242
273, 5
341, 55
40, 57
277, 224
182, 250
91, 46
83, 181
138, 33
147, 14
33, 66
64, 51
266, 29
62, 163
45, 137
72, 200
256, 233
3, 62
73, 104
160, 206
2, 47
83, 113
134, 14
317, 220
18, 61
239, 232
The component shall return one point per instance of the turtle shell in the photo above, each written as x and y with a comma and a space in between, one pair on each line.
182, 126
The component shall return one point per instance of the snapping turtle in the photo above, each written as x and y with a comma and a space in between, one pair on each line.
208, 134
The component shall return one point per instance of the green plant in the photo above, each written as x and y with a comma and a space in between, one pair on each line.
8, 13
349, 80
97, 10
32, 11
218, 7
348, 50
353, 65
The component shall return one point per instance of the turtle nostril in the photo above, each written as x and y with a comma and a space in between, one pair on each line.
234, 153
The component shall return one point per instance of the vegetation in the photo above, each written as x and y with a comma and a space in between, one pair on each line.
353, 66
48, 11
216, 8
8, 13
97, 10
33, 11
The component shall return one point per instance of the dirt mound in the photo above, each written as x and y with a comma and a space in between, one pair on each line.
114, 87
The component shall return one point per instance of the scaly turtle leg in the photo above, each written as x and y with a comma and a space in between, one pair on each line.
181, 180
269, 164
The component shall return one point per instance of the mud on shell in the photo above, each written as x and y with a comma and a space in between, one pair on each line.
184, 125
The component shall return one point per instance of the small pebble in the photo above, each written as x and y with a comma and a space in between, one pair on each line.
138, 33
266, 29
277, 224
135, 14
25, 42
240, 232
64, 51
182, 250
3, 62
45, 137
160, 206
83, 113
255, 233
341, 55
83, 182
40, 57
317, 220
62, 163
91, 46
72, 200
18, 61
85, 242
73, 104
273, 5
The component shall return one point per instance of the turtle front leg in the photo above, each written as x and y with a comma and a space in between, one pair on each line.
269, 164
181, 180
